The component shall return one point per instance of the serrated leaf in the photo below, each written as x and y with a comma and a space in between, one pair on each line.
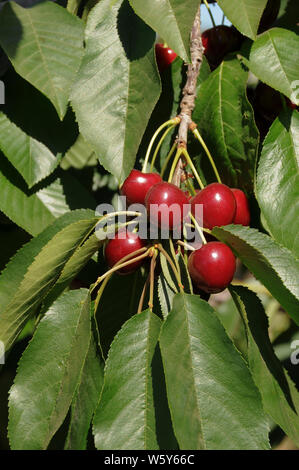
49, 371
165, 295
245, 15
40, 277
33, 211
171, 19
85, 400
125, 417
45, 46
79, 155
208, 384
117, 85
15, 270
280, 397
277, 184
272, 264
31, 158
274, 59
225, 120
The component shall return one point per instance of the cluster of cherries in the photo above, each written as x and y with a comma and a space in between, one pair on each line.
213, 265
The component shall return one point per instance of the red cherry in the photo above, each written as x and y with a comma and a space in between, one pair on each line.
137, 184
242, 215
219, 205
118, 247
219, 41
212, 267
165, 195
164, 55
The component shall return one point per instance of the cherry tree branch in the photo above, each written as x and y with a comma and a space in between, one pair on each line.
189, 92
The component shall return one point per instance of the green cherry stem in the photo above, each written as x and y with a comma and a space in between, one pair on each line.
174, 163
198, 228
141, 301
171, 122
168, 158
152, 281
200, 139
190, 163
209, 10
159, 145
125, 261
185, 245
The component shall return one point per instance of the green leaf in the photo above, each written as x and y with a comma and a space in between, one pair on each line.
33, 211
165, 295
172, 20
85, 400
12, 276
45, 45
79, 155
117, 85
277, 184
40, 277
226, 122
245, 15
274, 59
272, 264
209, 387
48, 372
277, 390
125, 417
31, 158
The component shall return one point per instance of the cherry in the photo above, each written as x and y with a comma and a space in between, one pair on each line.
137, 185
165, 195
164, 55
212, 267
219, 205
242, 215
118, 247
218, 41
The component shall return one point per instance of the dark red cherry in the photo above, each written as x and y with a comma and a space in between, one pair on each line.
219, 205
137, 184
166, 195
164, 55
212, 267
123, 244
242, 215
219, 41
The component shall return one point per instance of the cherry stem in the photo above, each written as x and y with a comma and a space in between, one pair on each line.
168, 158
141, 301
174, 256
171, 122
191, 187
210, 13
174, 163
125, 261
186, 245
152, 281
198, 228
159, 145
172, 265
190, 163
199, 137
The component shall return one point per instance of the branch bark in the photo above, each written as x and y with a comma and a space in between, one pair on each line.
189, 92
